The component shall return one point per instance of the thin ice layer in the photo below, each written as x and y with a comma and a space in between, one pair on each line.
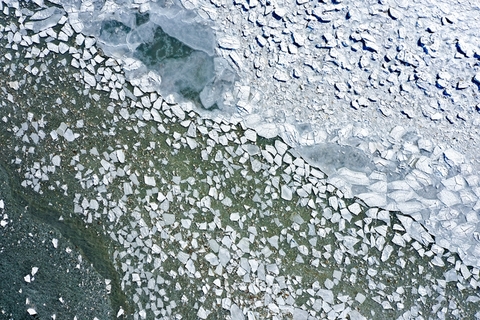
169, 40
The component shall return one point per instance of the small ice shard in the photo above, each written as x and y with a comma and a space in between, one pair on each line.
223, 256
251, 135
178, 111
121, 156
373, 199
360, 298
236, 313
234, 216
150, 181
286, 193
168, 218
43, 14
90, 79
229, 42
453, 158
31, 311
386, 253
212, 258
281, 76
69, 135
120, 312
449, 198
56, 160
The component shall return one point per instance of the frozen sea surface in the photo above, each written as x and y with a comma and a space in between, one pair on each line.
395, 80
181, 212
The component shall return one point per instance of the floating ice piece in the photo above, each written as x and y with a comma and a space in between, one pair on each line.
387, 252
267, 130
178, 111
120, 312
56, 160
69, 135
300, 314
202, 313
168, 218
453, 158
121, 156
353, 177
31, 311
286, 193
43, 14
449, 198
281, 76
280, 147
415, 229
212, 258
373, 199
236, 313
90, 79
251, 135
223, 256
326, 295
229, 42
149, 181
149, 82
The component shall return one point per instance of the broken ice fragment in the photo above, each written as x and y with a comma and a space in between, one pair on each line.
286, 193
229, 42
150, 181
90, 79
453, 157
236, 313
31, 311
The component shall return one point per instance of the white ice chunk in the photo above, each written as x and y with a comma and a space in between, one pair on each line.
286, 193
373, 199
251, 135
229, 42
69, 135
449, 198
150, 181
236, 313
223, 256
453, 157
31, 311
56, 160
90, 79
387, 252
168, 218
121, 156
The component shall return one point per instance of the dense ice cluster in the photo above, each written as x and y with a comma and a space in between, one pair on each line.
396, 81
361, 219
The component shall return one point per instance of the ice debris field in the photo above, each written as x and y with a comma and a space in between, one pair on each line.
239, 159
